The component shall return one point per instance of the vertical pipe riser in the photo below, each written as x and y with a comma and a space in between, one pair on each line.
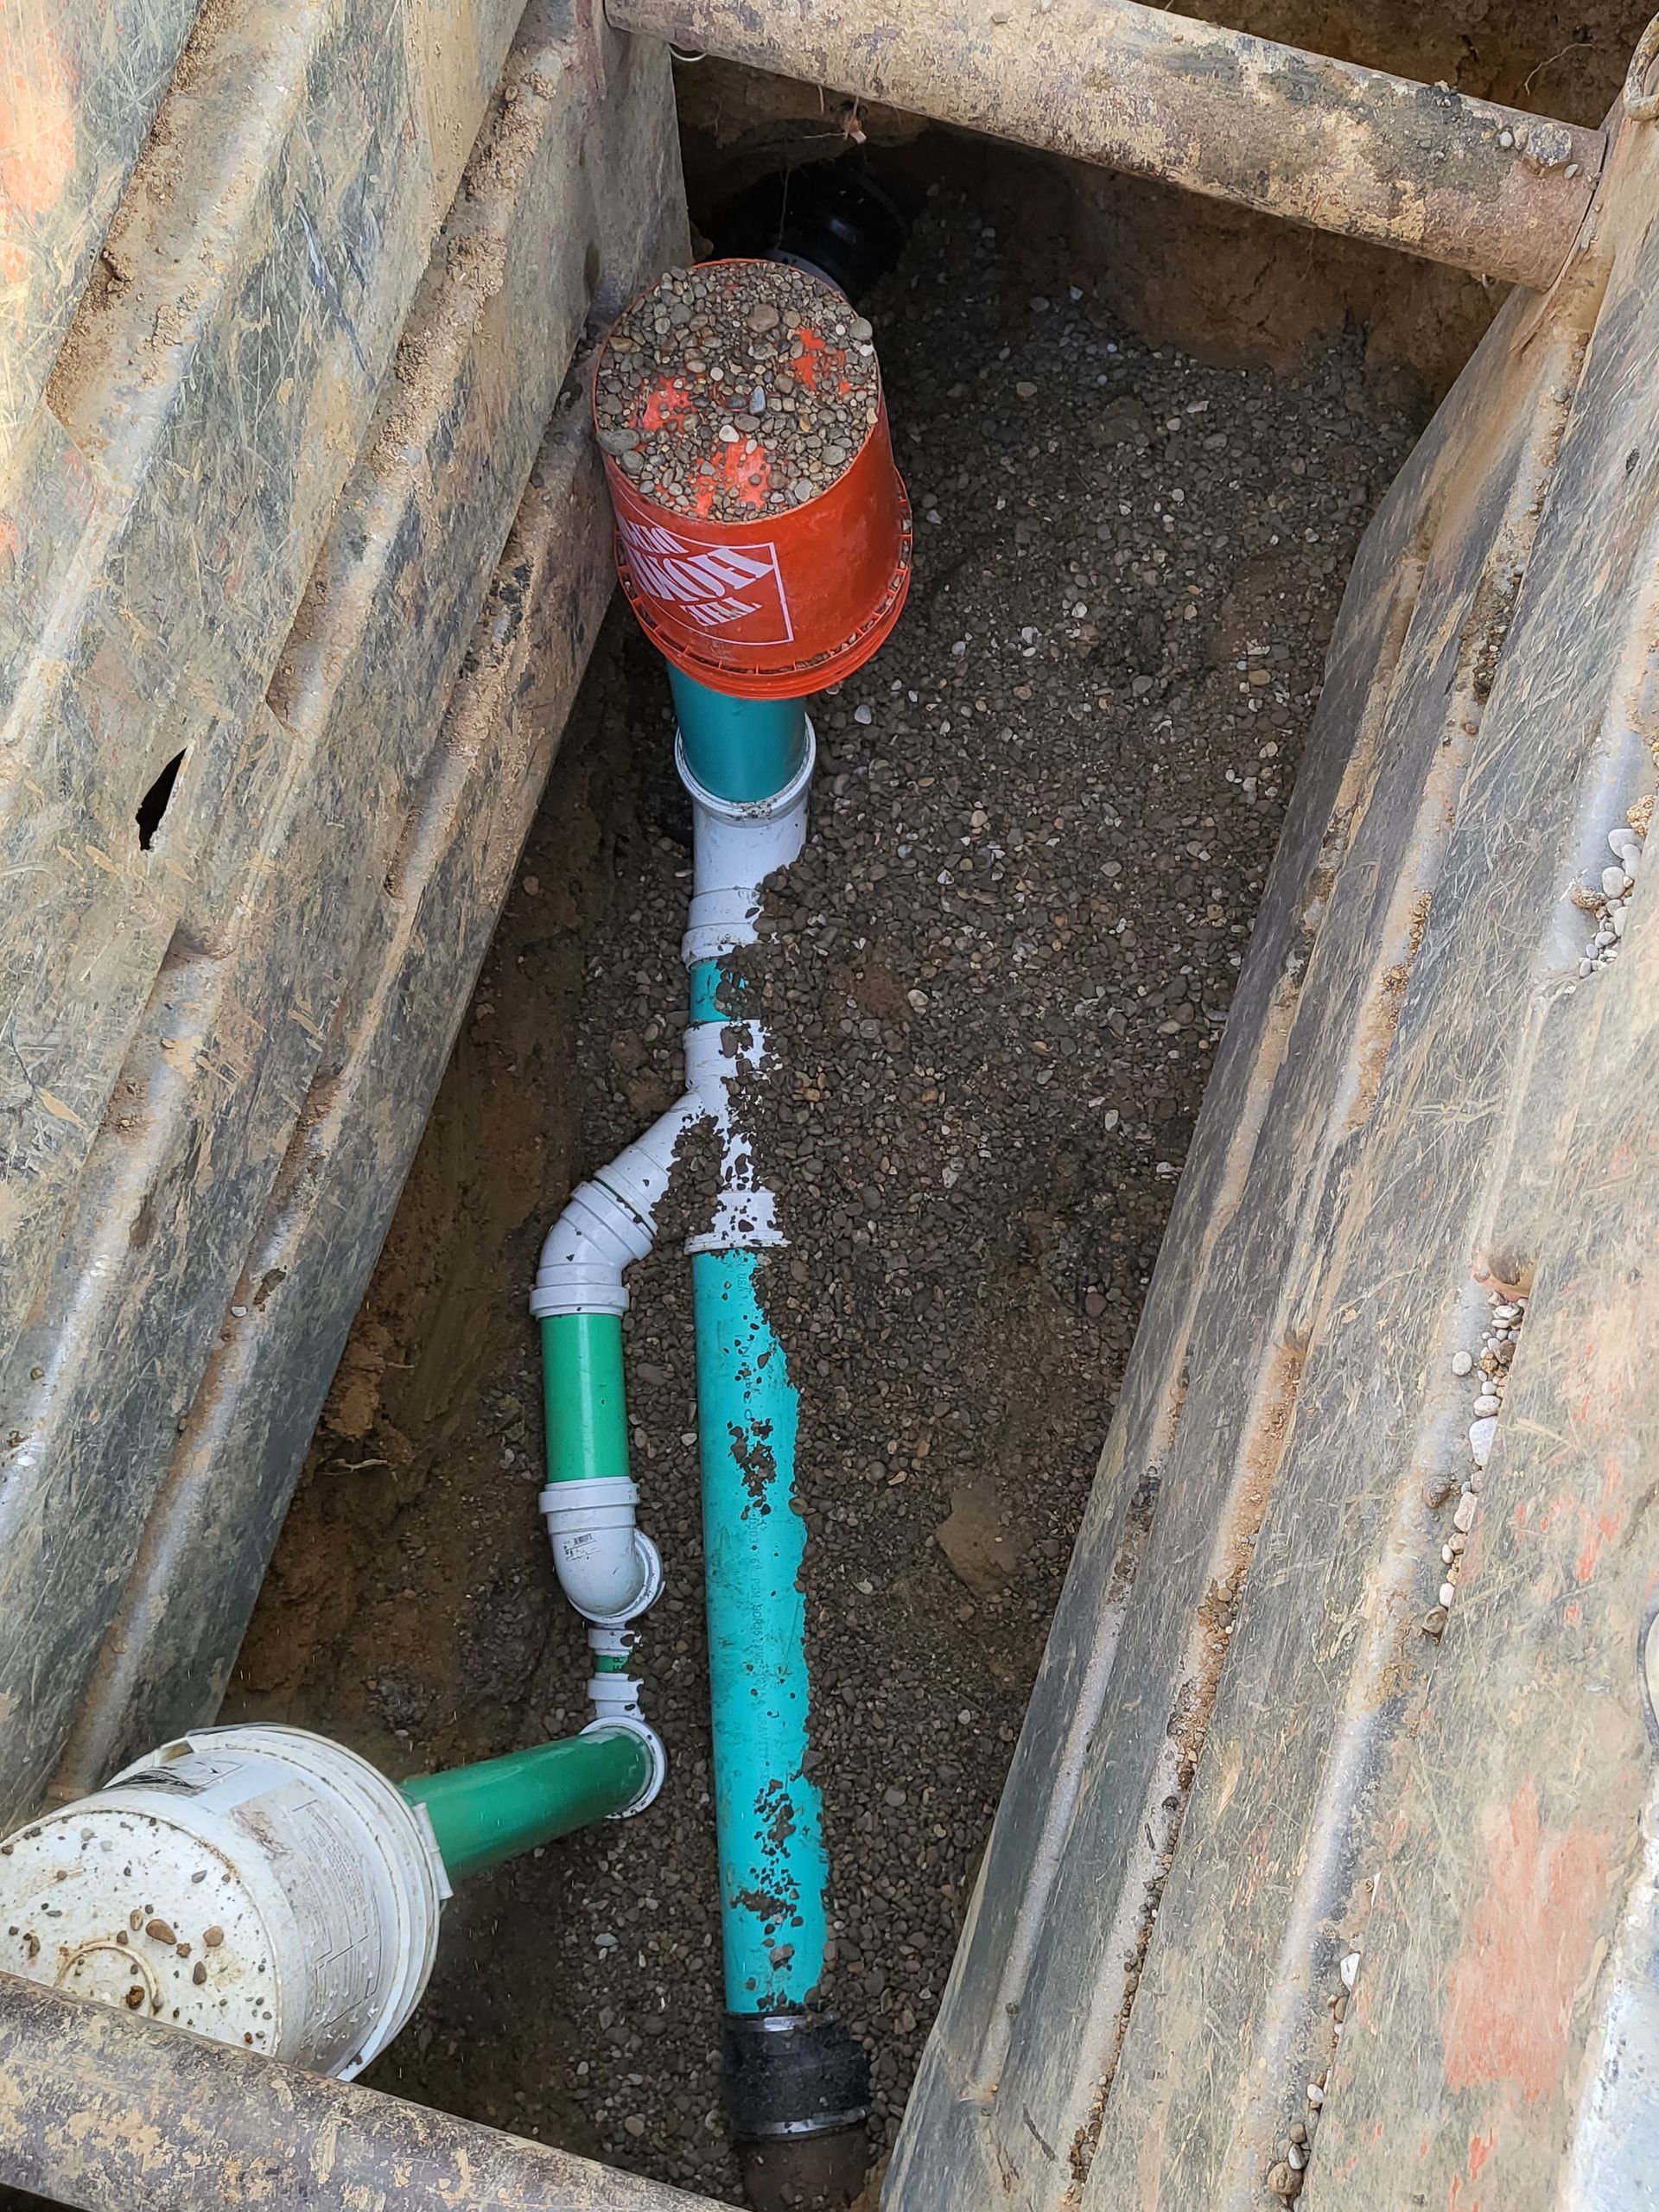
773, 1869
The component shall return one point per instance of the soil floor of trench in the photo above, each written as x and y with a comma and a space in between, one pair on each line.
1043, 816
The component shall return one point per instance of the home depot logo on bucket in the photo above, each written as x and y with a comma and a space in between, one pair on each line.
733, 588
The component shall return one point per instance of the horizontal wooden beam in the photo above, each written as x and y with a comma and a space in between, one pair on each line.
1369, 155
109, 2112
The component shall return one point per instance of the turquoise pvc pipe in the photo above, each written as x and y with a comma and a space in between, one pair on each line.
773, 1871
737, 749
484, 1813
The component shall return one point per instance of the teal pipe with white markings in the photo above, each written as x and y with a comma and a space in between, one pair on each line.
773, 1871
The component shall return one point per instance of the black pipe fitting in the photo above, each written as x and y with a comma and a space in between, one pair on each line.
792, 2074
798, 2095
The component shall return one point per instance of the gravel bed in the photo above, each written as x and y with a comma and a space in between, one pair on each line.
735, 388
994, 982
1042, 821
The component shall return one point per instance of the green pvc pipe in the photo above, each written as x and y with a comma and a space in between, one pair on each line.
482, 1814
737, 749
582, 1396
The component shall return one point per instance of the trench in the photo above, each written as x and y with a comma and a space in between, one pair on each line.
1043, 818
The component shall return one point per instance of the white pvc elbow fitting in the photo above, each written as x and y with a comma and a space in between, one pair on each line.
608, 1569
610, 1222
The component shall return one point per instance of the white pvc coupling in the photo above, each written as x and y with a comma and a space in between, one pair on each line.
615, 1700
608, 1569
736, 845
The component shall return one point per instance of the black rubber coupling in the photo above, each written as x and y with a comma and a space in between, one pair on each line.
790, 2075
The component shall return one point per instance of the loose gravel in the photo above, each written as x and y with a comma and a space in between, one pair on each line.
736, 388
995, 983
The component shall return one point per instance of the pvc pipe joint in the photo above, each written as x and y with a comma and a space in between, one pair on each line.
584, 1254
738, 843
608, 1222
615, 1700
608, 1569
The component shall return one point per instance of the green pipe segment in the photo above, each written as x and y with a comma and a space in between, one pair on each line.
739, 750
583, 1397
484, 1814
769, 1816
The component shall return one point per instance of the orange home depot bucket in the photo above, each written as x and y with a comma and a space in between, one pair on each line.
754, 579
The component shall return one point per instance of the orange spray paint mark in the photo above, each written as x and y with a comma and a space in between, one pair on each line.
37, 126
664, 408
1527, 1950
1600, 1523
37, 150
743, 471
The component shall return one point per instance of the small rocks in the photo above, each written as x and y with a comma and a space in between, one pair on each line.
1349, 1969
732, 389
1285, 2180
1612, 906
1497, 1356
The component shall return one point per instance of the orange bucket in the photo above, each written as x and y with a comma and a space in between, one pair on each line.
794, 599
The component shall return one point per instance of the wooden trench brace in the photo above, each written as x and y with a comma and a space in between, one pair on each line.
98, 2109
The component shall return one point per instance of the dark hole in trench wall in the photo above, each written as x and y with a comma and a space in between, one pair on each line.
154, 803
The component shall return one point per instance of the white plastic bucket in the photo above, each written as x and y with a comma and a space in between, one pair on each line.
260, 1885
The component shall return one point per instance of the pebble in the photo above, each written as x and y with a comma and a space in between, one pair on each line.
1481, 1433
1462, 1519
1349, 1969
1462, 1362
1486, 1403
730, 389
1615, 882
1448, 1592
